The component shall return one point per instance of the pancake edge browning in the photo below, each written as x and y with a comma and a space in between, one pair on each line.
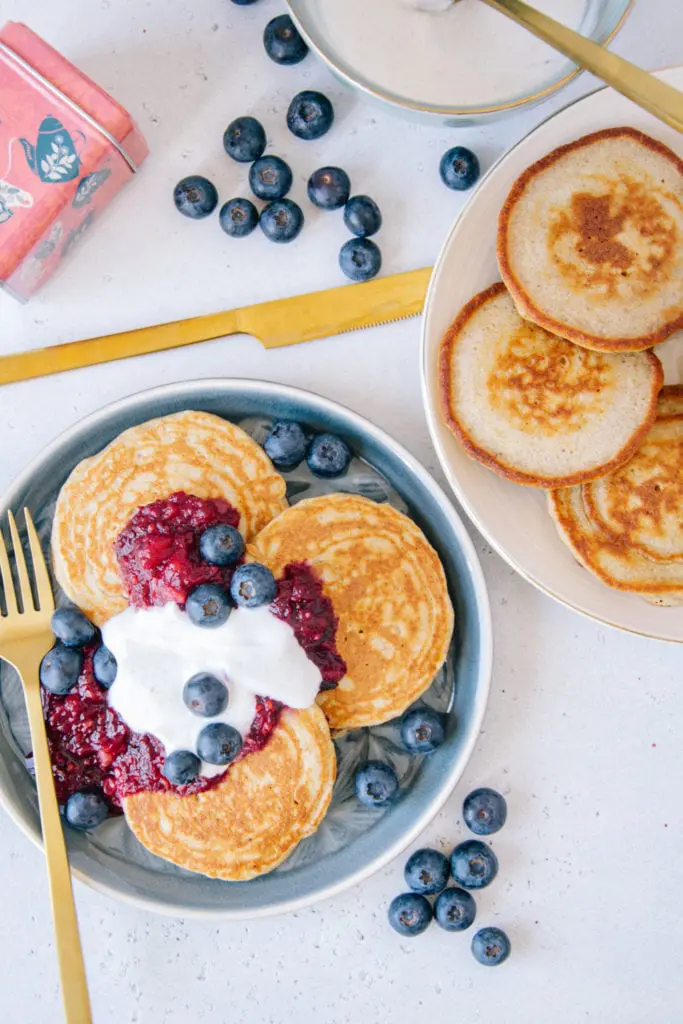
527, 309
217, 835
484, 456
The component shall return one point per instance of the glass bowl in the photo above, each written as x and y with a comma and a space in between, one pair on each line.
497, 70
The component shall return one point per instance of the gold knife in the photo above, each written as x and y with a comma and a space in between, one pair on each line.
282, 322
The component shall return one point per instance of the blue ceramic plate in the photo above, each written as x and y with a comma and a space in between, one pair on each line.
352, 842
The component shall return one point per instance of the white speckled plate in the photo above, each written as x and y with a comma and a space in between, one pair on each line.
514, 519
352, 842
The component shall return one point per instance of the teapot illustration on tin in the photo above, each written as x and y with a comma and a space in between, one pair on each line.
53, 157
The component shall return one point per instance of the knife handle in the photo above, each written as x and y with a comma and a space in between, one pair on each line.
43, 361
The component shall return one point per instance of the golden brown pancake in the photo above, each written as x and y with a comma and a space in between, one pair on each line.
252, 820
590, 241
388, 589
535, 408
190, 451
627, 528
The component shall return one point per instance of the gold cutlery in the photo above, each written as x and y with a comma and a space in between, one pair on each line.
657, 97
25, 637
281, 322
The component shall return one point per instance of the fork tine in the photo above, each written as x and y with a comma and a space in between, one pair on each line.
6, 579
46, 601
22, 571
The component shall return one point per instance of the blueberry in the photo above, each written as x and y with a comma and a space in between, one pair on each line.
238, 217
72, 627
427, 872
221, 545
195, 196
104, 667
376, 784
409, 914
362, 216
329, 188
86, 809
253, 585
283, 42
286, 444
490, 946
422, 730
328, 456
243, 3
60, 669
208, 605
244, 139
473, 864
219, 743
455, 909
360, 259
205, 695
459, 168
281, 220
270, 178
310, 115
181, 767
484, 811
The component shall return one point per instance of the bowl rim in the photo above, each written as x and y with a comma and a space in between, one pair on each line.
432, 414
228, 385
317, 43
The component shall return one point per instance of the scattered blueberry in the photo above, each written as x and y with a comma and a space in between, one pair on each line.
455, 909
376, 784
181, 767
270, 178
422, 730
328, 456
221, 545
490, 946
244, 3
253, 585
362, 216
205, 695
219, 743
329, 188
244, 139
86, 809
286, 444
283, 42
410, 914
60, 668
310, 115
484, 811
473, 864
208, 605
281, 220
427, 872
238, 217
104, 667
195, 196
360, 259
72, 627
459, 168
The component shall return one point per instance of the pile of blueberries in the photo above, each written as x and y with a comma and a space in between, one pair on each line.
310, 116
472, 865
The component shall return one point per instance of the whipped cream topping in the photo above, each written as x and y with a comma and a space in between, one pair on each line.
158, 649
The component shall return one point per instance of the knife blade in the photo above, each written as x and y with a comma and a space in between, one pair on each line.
279, 322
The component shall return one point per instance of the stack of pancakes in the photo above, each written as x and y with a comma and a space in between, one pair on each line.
549, 378
385, 581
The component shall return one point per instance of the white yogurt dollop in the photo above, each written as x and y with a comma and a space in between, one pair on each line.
158, 649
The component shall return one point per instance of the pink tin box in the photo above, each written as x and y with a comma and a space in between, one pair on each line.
66, 149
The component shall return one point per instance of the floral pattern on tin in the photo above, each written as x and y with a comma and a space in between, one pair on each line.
54, 157
87, 186
10, 197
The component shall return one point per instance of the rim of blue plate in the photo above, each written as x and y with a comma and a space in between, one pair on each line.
434, 512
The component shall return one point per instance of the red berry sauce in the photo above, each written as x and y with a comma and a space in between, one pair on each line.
158, 553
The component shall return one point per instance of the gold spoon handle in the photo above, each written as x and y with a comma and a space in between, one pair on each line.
648, 92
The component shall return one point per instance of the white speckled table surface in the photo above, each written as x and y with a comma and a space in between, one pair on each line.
583, 729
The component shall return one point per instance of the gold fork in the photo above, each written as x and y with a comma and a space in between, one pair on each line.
25, 638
